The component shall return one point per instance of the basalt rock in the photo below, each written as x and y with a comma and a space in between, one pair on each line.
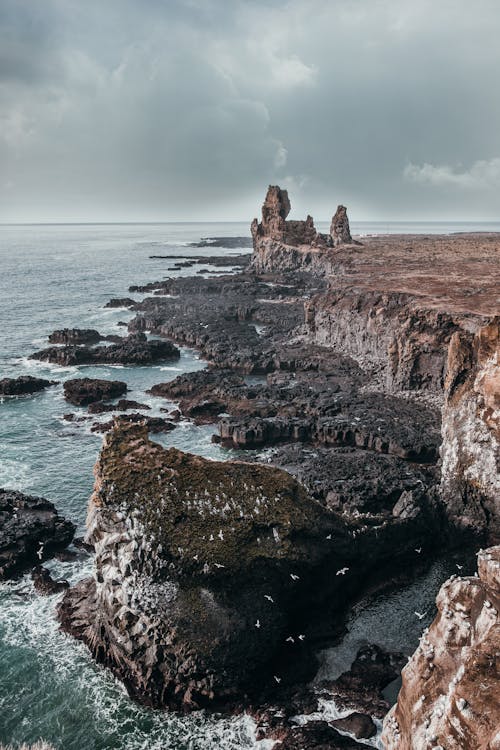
449, 695
339, 228
470, 480
85, 391
133, 350
120, 302
31, 530
101, 407
75, 336
153, 424
45, 584
23, 385
193, 593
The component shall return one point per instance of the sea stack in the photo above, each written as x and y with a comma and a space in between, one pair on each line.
339, 228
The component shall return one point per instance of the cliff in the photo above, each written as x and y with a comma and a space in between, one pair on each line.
449, 696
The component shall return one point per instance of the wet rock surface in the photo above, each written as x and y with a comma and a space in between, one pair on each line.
85, 391
31, 530
45, 584
135, 349
449, 695
24, 385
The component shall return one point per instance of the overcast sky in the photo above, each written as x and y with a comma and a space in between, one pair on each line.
188, 109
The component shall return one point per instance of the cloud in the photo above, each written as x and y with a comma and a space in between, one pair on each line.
482, 175
164, 109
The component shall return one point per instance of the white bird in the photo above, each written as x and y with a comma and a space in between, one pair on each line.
257, 624
418, 550
211, 539
221, 535
420, 615
290, 639
278, 679
301, 637
40, 551
329, 536
195, 557
341, 572
459, 566
294, 577
269, 598
218, 565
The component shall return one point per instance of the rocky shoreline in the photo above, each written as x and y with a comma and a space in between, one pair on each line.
363, 391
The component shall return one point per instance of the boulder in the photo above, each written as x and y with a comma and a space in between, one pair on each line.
31, 530
75, 336
85, 391
45, 584
135, 349
23, 385
339, 228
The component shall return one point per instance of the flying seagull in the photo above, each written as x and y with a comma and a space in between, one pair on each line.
420, 615
341, 572
294, 577
257, 624
269, 598
278, 679
290, 639
418, 550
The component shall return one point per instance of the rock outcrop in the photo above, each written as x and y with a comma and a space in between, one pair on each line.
194, 593
23, 385
31, 531
470, 478
339, 229
449, 695
133, 350
85, 391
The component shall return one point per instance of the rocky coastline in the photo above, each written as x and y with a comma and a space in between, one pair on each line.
360, 385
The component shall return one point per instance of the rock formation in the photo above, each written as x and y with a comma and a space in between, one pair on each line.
85, 391
30, 531
23, 385
449, 696
470, 478
133, 350
193, 594
339, 228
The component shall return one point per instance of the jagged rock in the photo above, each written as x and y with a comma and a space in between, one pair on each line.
182, 541
153, 424
45, 584
317, 735
133, 350
339, 228
449, 695
30, 531
360, 725
100, 407
75, 336
84, 391
470, 478
121, 302
23, 385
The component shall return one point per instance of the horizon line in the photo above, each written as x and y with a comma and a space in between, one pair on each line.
236, 221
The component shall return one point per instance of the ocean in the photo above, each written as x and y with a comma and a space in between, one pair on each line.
56, 276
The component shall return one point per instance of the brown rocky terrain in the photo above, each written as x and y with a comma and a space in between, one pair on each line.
449, 696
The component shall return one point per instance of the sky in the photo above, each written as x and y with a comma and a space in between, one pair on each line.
146, 110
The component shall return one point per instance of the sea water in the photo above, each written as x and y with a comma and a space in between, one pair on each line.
57, 276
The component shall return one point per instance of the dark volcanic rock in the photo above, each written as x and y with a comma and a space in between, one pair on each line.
121, 302
133, 350
184, 541
23, 385
360, 725
339, 228
100, 407
75, 336
317, 735
84, 391
45, 584
30, 531
153, 424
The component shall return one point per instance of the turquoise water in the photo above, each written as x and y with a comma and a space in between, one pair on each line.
52, 277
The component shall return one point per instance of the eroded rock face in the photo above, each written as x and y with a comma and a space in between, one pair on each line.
193, 591
278, 243
339, 228
470, 480
23, 385
449, 696
30, 531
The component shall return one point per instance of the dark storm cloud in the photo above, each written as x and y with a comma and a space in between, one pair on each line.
163, 109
